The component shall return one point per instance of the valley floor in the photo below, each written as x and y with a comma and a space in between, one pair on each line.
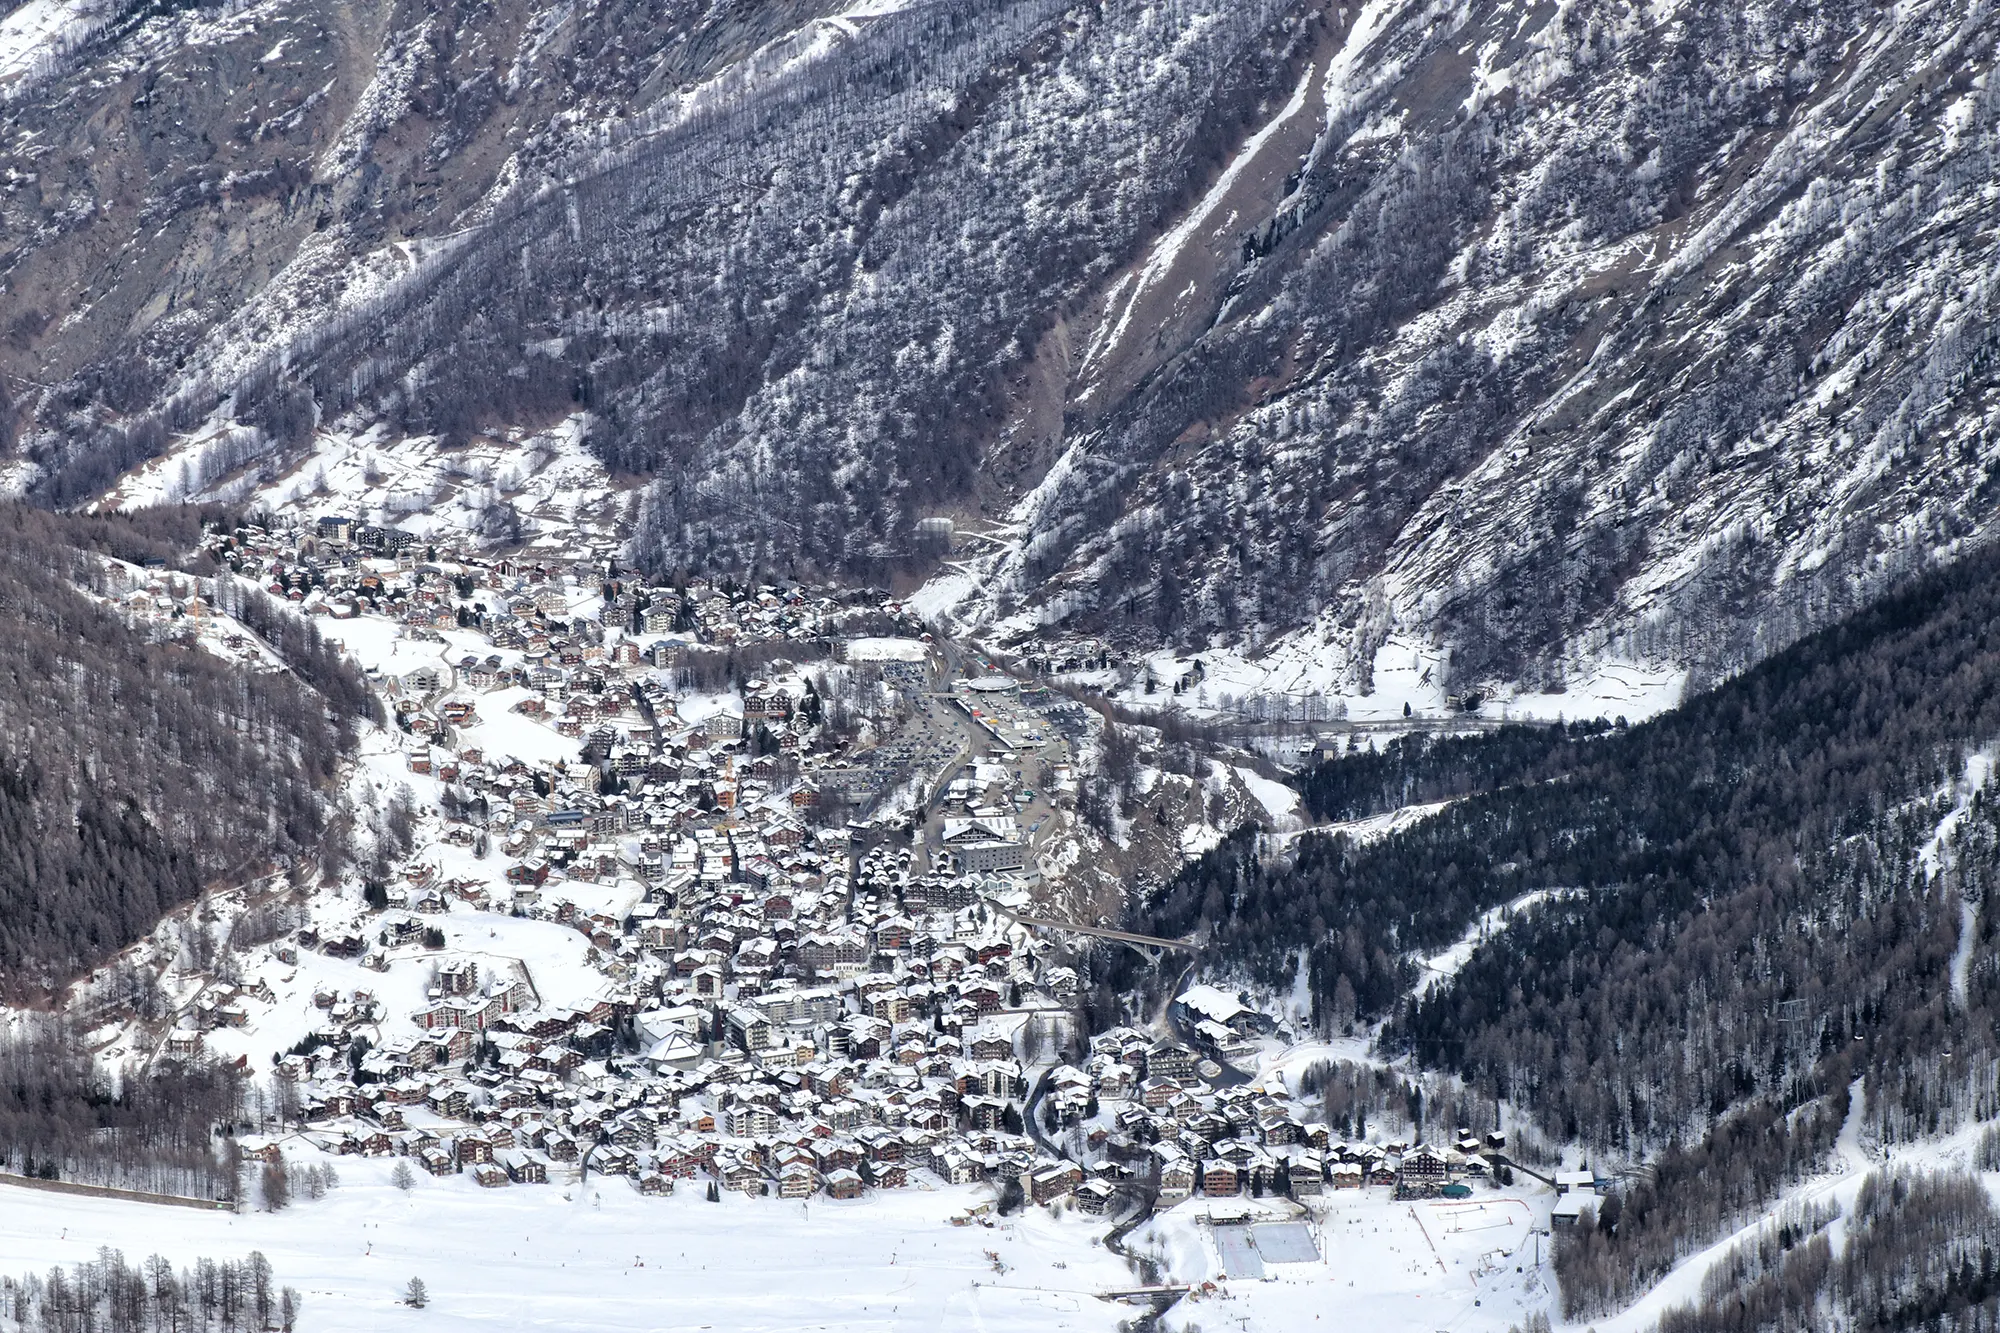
599, 1256
1468, 1265
606, 1258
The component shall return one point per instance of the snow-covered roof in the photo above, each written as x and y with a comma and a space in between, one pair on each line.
885, 650
1212, 1004
1000, 828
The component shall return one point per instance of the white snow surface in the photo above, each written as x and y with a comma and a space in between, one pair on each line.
1309, 670
886, 650
1438, 967
602, 1257
1373, 828
32, 33
1279, 801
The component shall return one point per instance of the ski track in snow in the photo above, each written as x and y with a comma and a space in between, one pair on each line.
1682, 1285
1961, 959
1440, 967
1978, 772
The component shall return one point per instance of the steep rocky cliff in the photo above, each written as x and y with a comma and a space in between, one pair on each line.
1545, 332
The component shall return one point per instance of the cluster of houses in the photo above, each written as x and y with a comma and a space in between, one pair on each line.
645, 680
1142, 1103
832, 1088
338, 569
780, 1010
754, 1037
789, 1004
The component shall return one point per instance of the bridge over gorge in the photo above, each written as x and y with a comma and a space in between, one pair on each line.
1173, 1289
1149, 944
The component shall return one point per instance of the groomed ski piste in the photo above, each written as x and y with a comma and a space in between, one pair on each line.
599, 1256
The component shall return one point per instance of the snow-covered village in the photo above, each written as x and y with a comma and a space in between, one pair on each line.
881, 666
714, 892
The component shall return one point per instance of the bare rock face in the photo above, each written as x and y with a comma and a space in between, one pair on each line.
1547, 333
188, 181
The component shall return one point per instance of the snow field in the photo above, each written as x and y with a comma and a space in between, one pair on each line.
602, 1257
1374, 828
1280, 802
1609, 689
32, 33
1385, 1266
1407, 672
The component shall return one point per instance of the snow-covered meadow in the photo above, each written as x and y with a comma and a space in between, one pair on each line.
1385, 1266
602, 1257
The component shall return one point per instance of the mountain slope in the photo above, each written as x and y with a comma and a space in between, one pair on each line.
1728, 916
136, 770
1547, 333
1811, 833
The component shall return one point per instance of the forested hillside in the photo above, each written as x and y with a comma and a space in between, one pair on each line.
134, 771
1922, 1251
1546, 333
1778, 887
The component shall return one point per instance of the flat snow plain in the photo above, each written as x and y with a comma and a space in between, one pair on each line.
1385, 1267
606, 1258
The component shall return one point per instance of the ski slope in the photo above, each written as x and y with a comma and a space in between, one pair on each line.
605, 1258
1385, 1266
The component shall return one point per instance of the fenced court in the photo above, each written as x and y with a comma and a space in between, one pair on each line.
1245, 1250
1472, 1216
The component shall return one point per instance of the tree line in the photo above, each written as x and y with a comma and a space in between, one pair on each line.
1922, 1253
1690, 1195
108, 1295
62, 1118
